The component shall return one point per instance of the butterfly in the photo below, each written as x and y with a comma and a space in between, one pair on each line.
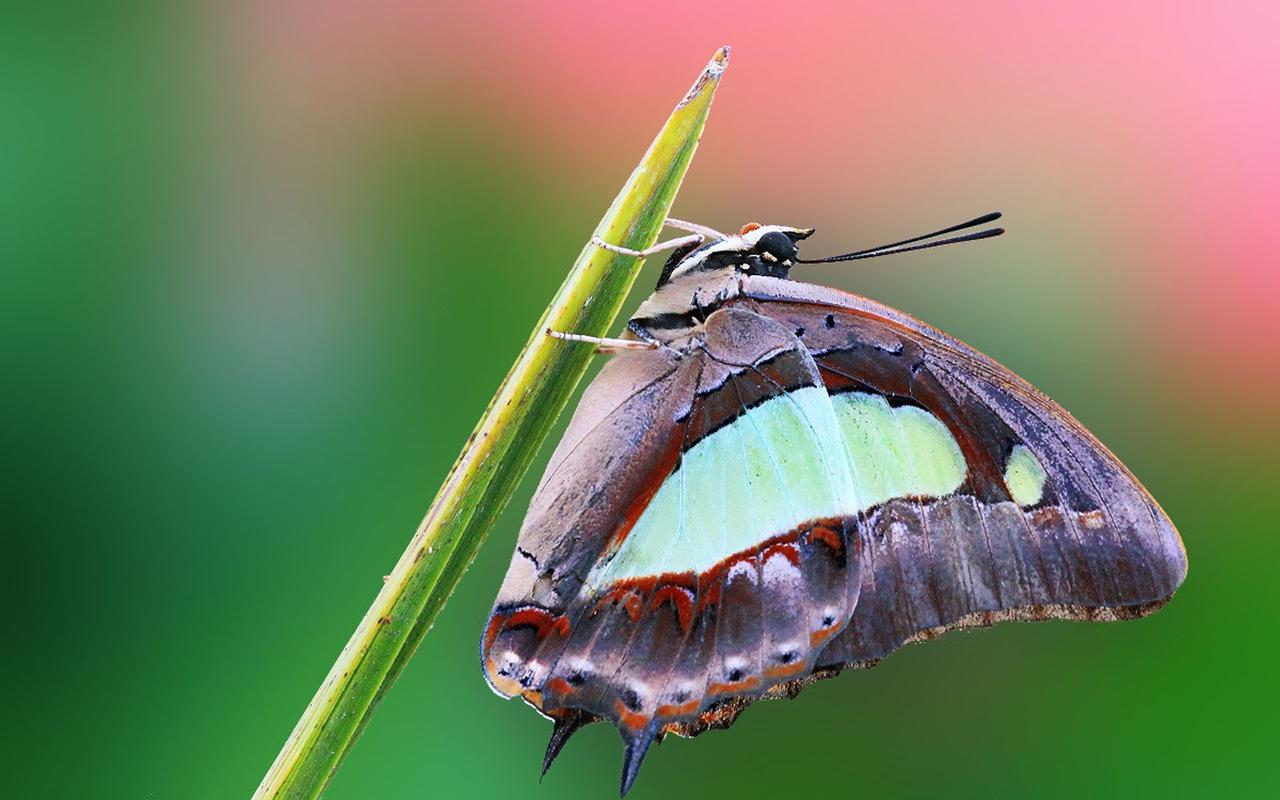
772, 481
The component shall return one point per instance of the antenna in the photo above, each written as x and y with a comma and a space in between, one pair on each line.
907, 245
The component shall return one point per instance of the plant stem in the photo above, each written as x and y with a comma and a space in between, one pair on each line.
493, 460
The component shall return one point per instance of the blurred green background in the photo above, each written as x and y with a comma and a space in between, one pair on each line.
262, 265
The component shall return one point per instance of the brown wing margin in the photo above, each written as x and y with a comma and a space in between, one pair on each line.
1095, 547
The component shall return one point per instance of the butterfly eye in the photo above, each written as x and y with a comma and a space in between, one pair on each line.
778, 245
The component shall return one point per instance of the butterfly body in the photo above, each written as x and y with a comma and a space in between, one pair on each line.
797, 480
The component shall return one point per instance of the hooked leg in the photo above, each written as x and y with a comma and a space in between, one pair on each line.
670, 244
603, 344
697, 235
693, 227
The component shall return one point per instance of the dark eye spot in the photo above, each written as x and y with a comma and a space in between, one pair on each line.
734, 675
828, 621
799, 331
787, 657
630, 699
830, 321
577, 679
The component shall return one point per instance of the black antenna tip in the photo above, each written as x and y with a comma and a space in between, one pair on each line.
918, 242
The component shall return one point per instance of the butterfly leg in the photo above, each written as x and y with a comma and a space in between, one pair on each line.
670, 244
693, 227
603, 344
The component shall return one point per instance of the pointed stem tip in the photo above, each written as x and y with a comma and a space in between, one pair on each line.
720, 60
714, 69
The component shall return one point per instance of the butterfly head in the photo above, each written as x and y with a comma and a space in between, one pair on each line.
755, 250
772, 250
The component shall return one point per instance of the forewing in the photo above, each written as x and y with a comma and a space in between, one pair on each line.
624, 435
1027, 515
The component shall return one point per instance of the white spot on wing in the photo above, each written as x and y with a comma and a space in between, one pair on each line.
742, 568
778, 568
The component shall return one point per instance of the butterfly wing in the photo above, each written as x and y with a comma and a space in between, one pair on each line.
623, 435
690, 546
1040, 519
821, 481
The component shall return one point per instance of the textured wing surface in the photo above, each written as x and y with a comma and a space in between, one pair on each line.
1026, 516
691, 546
623, 433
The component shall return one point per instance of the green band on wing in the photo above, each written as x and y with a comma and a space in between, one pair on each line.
778, 465
897, 452
1024, 475
798, 457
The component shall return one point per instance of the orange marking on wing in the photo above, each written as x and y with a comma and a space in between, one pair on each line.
539, 619
1049, 515
748, 228
821, 635
821, 533
559, 686
785, 670
529, 616
615, 595
785, 549
681, 599
707, 586
680, 710
491, 632
633, 720
746, 684
506, 686
629, 594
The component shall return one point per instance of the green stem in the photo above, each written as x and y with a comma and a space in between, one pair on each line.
493, 461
